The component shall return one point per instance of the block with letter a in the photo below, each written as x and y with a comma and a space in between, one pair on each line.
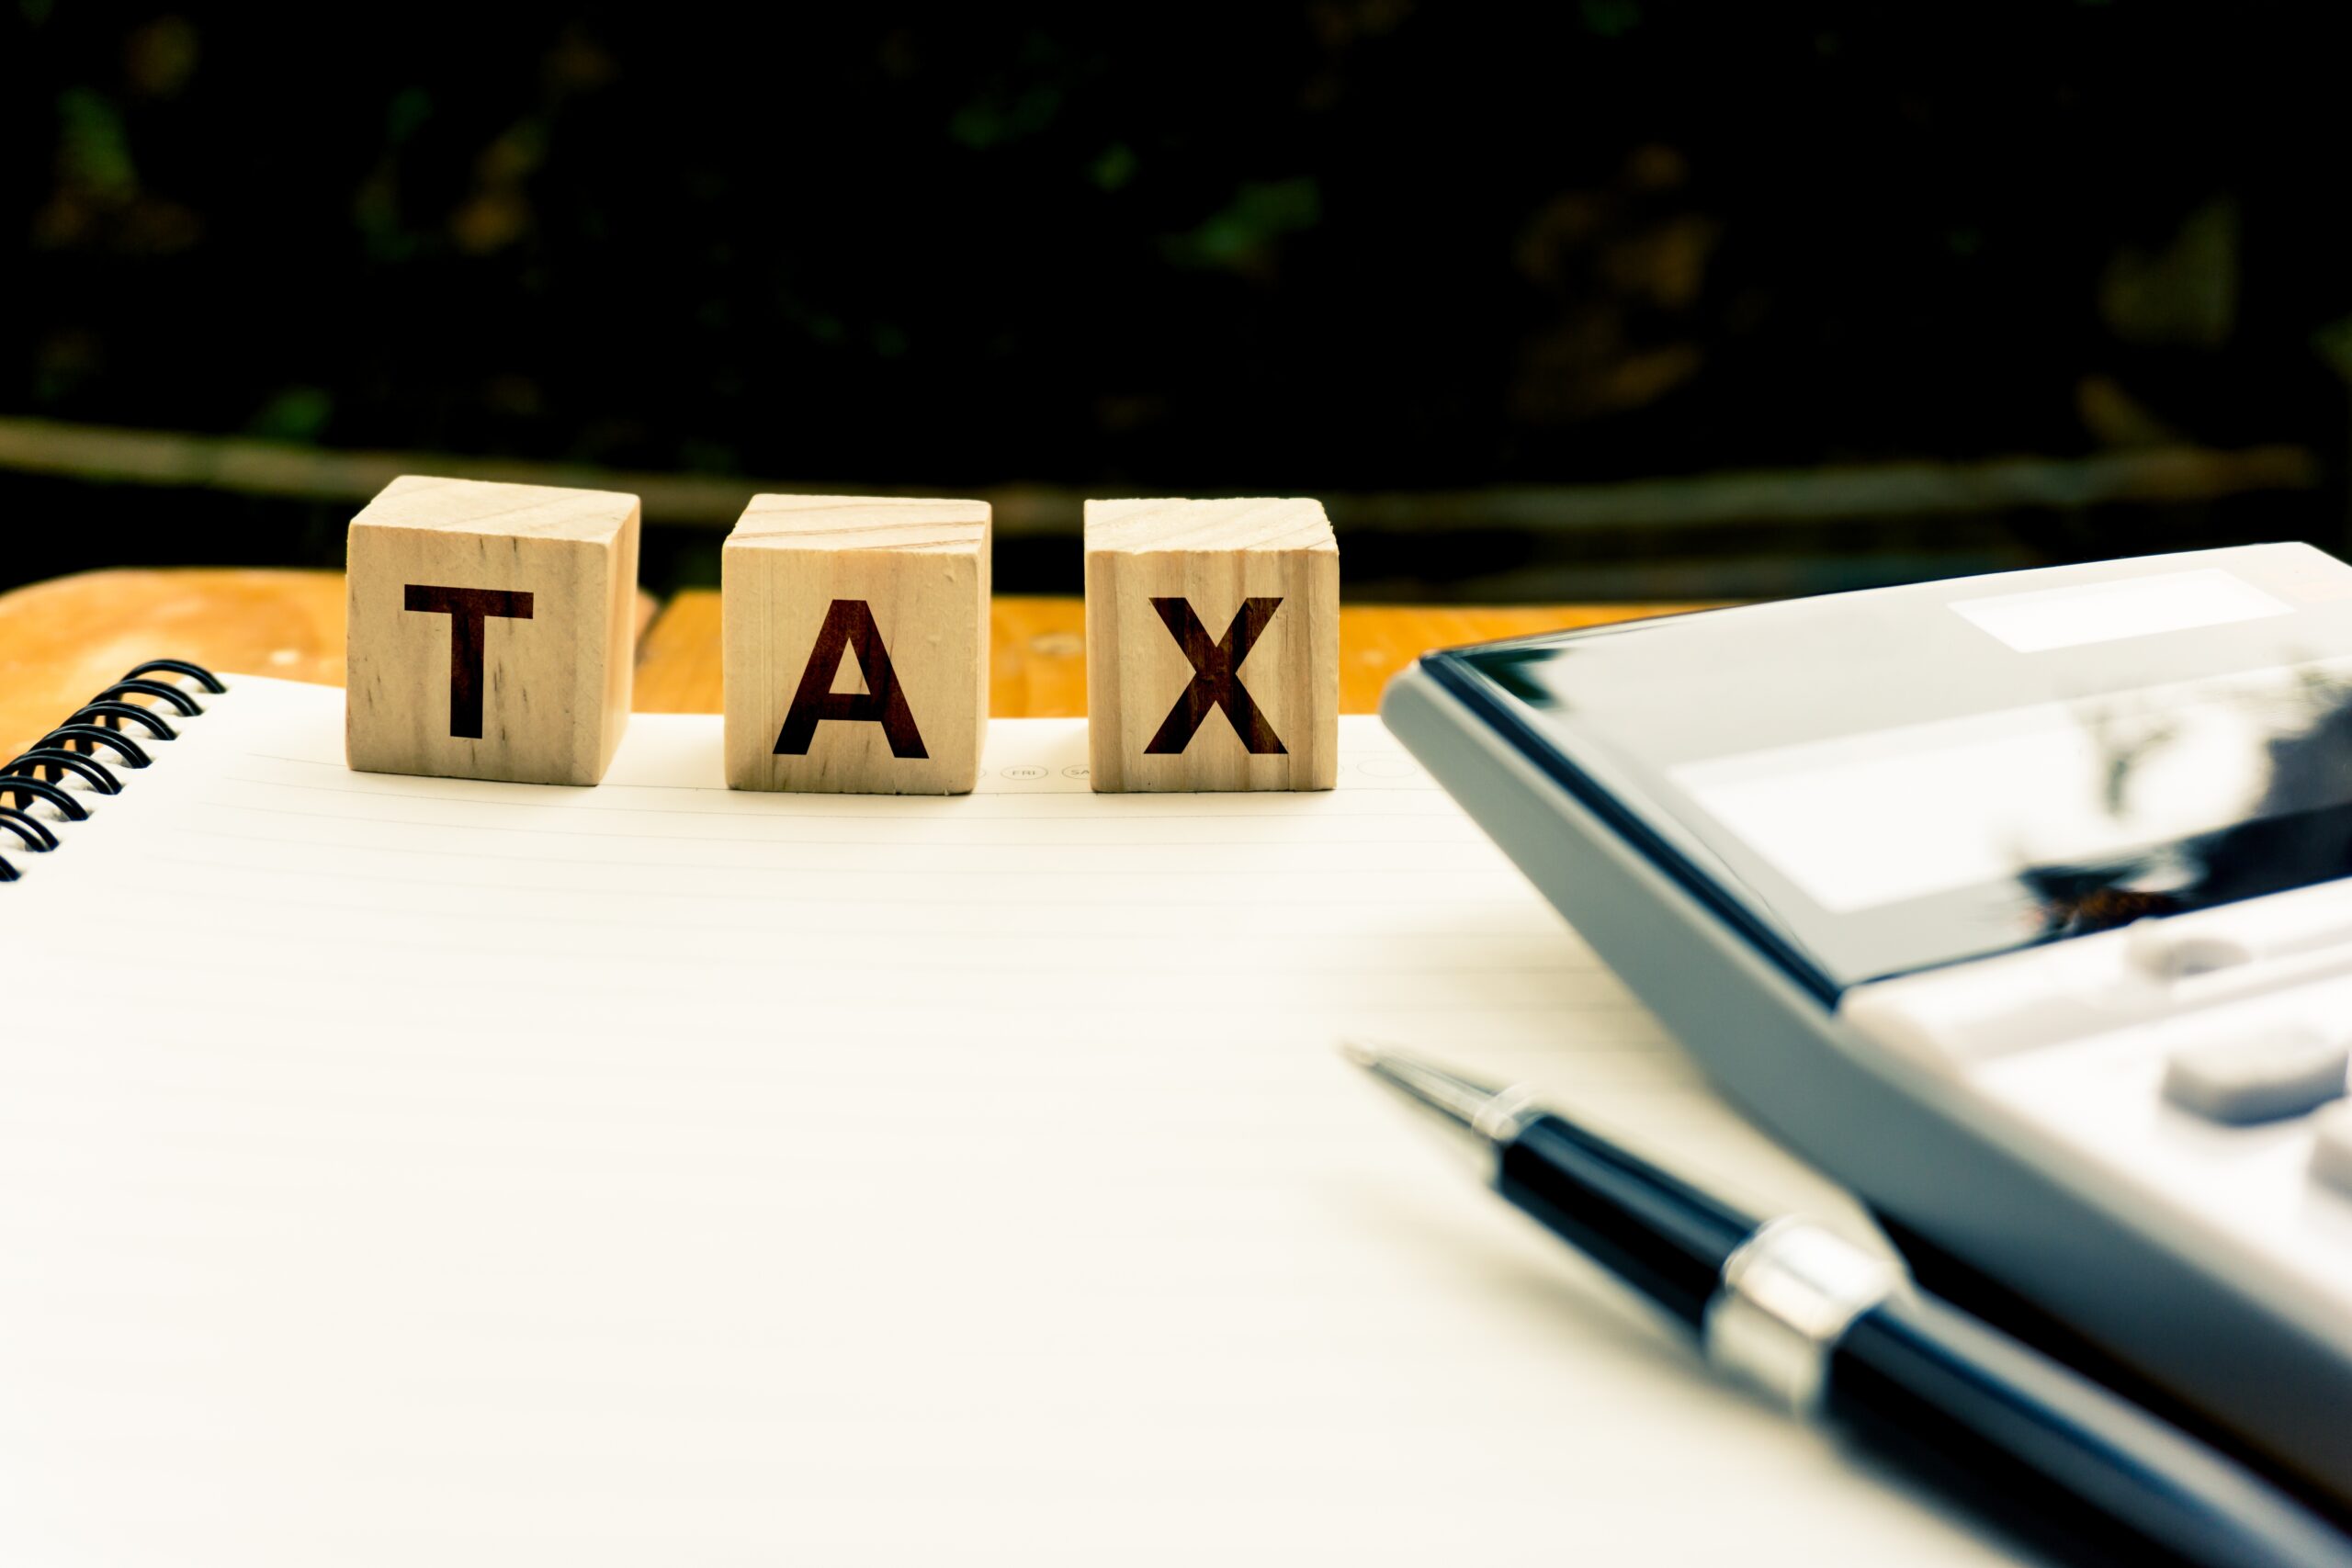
856, 632
1212, 645
493, 630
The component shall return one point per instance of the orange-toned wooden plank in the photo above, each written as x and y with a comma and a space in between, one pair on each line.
679, 665
63, 640
1037, 661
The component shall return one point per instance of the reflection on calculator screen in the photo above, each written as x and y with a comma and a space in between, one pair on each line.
1893, 785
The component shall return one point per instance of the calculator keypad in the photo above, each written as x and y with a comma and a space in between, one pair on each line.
2217, 1089
2256, 1074
2332, 1147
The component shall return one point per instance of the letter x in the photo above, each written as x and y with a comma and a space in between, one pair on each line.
1217, 682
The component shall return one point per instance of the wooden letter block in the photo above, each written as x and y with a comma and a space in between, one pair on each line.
858, 644
1212, 645
493, 630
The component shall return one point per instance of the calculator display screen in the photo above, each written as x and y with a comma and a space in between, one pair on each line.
1881, 781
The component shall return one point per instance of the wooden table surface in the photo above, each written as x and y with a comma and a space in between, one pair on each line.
65, 640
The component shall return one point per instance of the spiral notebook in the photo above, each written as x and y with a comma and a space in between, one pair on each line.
401, 1170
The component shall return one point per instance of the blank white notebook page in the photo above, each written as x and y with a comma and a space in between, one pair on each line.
402, 1170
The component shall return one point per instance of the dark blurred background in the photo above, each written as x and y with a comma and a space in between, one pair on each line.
1609, 299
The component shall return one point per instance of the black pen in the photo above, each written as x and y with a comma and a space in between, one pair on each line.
1839, 1333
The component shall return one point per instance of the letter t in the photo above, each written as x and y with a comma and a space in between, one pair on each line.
467, 609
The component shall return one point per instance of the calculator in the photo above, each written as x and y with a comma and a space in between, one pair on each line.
2018, 904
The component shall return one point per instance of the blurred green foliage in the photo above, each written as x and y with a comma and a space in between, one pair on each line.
1342, 243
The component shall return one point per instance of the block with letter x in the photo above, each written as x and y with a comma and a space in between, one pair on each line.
493, 630
857, 643
1212, 645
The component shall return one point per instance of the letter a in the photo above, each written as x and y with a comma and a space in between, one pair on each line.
849, 623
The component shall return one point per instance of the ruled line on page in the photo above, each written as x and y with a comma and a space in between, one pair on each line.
780, 896
978, 805
1397, 773
374, 818
538, 858
1514, 926
1580, 1001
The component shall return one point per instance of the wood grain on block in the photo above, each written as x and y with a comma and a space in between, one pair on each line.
857, 635
490, 630
1212, 645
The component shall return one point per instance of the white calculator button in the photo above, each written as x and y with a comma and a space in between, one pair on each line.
2159, 949
2331, 1154
2281, 1070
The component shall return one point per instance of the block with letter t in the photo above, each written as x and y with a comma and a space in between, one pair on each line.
493, 630
1212, 645
856, 633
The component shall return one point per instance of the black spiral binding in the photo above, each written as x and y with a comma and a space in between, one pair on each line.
38, 775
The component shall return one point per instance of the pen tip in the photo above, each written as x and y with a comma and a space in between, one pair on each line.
1452, 1100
